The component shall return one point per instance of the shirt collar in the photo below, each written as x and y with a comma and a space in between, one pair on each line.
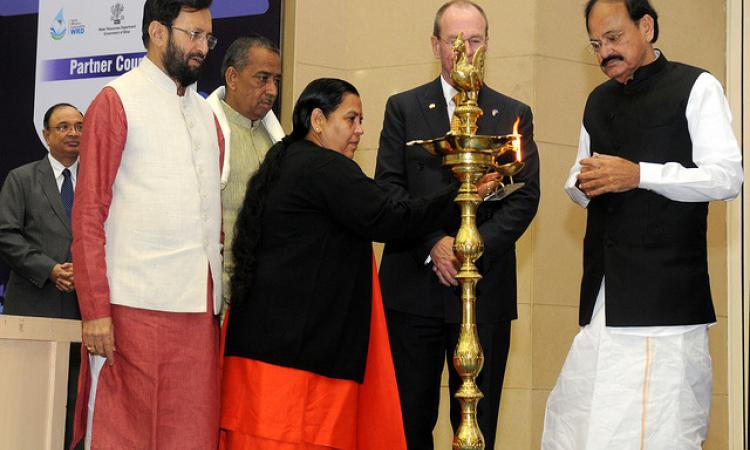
235, 117
58, 167
448, 91
161, 79
645, 73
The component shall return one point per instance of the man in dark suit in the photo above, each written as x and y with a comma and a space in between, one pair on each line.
35, 234
420, 292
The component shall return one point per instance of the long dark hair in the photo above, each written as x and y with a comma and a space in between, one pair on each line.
325, 94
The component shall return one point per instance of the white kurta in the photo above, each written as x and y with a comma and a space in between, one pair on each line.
143, 259
648, 387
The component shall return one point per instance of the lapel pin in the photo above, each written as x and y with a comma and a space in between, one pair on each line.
431, 106
495, 112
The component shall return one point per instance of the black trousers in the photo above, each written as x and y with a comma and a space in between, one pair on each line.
420, 347
74, 368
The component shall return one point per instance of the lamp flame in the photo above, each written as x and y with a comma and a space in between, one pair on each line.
517, 139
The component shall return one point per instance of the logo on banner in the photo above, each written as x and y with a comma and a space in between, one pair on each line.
57, 29
119, 25
117, 10
76, 28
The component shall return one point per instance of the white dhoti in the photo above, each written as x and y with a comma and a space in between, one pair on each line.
639, 388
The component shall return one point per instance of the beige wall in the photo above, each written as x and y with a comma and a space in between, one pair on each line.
537, 54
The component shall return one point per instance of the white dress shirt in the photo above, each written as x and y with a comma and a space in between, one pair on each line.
57, 170
448, 92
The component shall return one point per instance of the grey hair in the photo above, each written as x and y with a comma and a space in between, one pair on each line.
237, 53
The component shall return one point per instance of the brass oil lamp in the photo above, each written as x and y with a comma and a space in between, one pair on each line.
470, 156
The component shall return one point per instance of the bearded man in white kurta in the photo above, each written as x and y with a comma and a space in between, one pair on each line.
146, 242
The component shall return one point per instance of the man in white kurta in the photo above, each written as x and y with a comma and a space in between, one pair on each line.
656, 145
146, 244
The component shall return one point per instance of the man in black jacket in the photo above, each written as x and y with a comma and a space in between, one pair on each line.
420, 293
656, 146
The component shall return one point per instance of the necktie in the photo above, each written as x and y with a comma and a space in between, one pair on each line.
66, 192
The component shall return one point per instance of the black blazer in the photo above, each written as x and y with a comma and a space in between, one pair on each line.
408, 284
34, 236
309, 307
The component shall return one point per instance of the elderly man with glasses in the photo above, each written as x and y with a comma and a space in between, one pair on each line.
252, 74
656, 146
147, 231
418, 277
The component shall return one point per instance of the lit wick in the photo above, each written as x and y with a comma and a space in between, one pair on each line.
517, 140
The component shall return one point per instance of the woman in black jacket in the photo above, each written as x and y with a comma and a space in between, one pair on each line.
299, 328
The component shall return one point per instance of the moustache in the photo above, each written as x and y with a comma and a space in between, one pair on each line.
606, 60
199, 56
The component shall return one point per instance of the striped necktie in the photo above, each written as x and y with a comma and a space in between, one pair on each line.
66, 192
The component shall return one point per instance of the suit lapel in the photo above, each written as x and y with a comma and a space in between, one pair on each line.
493, 113
49, 187
434, 109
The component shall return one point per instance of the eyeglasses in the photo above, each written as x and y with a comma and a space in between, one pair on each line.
264, 78
474, 41
65, 128
608, 40
210, 39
